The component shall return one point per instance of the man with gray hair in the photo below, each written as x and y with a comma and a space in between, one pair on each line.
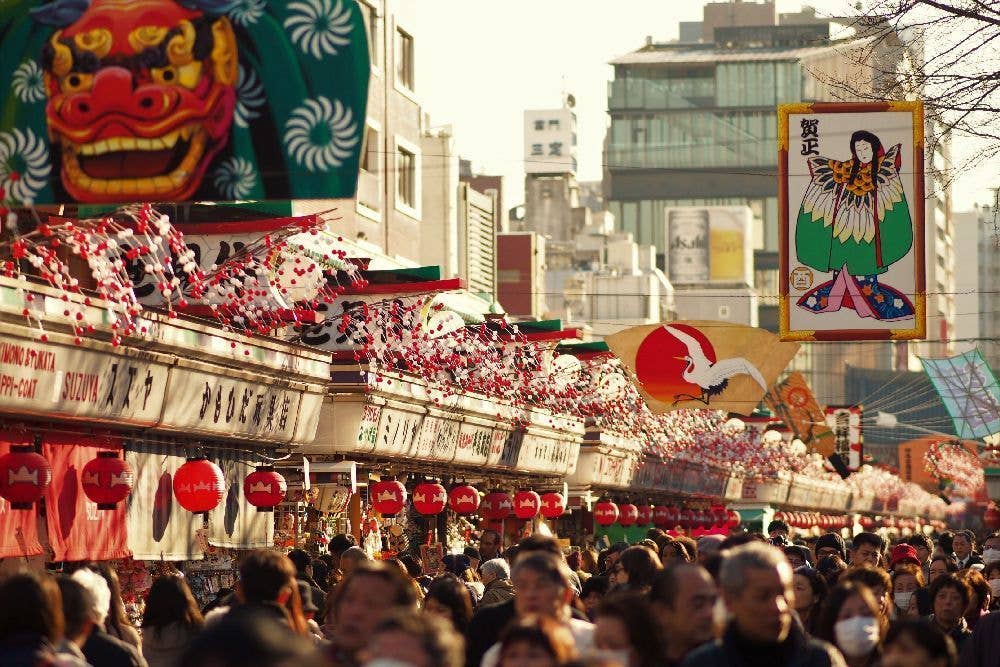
495, 574
756, 585
100, 648
542, 588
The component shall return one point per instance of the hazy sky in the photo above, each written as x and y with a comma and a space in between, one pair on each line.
481, 63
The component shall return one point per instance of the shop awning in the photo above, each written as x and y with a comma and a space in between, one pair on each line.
76, 528
236, 524
158, 528
18, 528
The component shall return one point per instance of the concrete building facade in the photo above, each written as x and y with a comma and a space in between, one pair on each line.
386, 212
694, 124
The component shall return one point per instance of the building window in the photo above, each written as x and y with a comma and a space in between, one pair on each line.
554, 124
539, 124
404, 58
536, 149
406, 177
371, 23
369, 154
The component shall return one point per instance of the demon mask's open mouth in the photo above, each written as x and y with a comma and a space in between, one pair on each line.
132, 165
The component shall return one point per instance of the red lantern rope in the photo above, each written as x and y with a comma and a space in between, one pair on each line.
116, 249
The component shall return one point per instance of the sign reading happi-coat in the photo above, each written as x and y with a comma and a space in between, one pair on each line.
701, 364
851, 206
113, 101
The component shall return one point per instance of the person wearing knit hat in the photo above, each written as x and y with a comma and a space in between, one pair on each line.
830, 544
903, 553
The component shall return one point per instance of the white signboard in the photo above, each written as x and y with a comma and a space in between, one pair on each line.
212, 403
549, 141
474, 444
368, 428
47, 378
397, 431
438, 439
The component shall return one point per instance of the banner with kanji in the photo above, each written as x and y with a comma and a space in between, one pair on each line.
845, 424
793, 402
969, 391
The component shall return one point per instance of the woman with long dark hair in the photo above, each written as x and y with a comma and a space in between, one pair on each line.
852, 620
171, 621
635, 570
811, 590
449, 598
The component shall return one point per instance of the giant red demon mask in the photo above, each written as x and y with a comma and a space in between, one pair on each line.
141, 97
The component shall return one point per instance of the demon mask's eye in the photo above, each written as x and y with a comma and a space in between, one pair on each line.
183, 75
76, 82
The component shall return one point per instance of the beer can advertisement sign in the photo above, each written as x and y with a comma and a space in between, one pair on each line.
709, 244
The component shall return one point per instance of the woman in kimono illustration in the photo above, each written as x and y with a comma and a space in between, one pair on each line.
855, 222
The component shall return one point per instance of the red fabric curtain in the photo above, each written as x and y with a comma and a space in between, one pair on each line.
18, 528
77, 530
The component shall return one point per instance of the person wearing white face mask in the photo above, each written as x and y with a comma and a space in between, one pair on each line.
852, 621
992, 575
991, 549
907, 583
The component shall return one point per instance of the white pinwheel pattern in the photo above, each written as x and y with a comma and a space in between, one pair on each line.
24, 165
249, 97
235, 178
28, 83
246, 12
319, 27
320, 134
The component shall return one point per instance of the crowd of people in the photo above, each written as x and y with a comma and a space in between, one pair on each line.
746, 599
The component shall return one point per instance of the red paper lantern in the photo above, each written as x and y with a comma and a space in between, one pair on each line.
673, 517
429, 498
107, 480
264, 488
526, 504
496, 505
719, 517
388, 497
661, 516
24, 474
991, 518
199, 485
605, 513
733, 520
687, 520
553, 505
645, 515
628, 514
463, 499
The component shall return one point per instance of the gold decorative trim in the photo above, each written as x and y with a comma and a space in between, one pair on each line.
919, 330
915, 107
783, 112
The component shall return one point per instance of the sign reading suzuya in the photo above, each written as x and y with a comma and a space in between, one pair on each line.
108, 101
851, 202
